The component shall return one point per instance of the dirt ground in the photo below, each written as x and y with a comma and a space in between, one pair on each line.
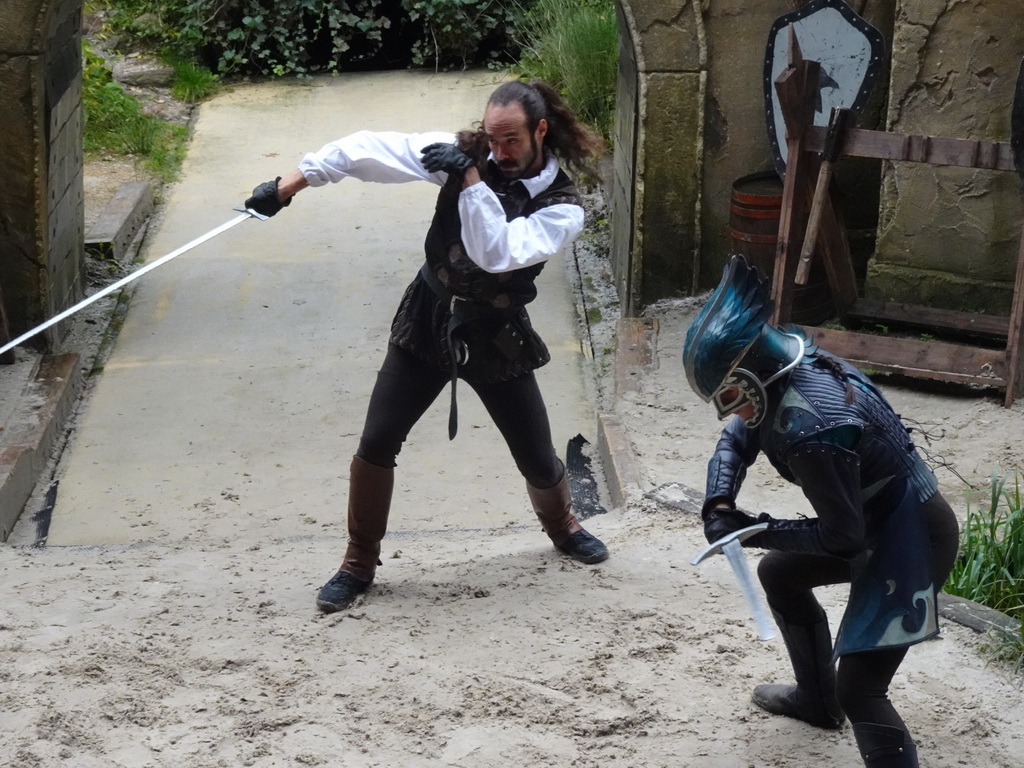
475, 649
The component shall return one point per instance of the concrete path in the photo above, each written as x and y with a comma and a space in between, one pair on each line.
238, 385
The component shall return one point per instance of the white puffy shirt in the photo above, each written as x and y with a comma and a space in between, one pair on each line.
493, 243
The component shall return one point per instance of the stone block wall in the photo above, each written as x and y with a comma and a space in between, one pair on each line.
949, 237
657, 149
41, 201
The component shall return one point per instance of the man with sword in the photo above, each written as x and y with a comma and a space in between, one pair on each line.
881, 523
505, 207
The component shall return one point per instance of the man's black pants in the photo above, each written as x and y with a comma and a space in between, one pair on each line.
406, 386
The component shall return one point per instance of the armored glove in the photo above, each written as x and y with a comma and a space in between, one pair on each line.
722, 522
446, 157
265, 200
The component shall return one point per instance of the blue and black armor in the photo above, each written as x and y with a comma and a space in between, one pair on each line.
824, 426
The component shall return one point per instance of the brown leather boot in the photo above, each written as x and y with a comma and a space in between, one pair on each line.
369, 502
553, 507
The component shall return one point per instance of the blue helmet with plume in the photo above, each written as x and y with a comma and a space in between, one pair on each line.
732, 352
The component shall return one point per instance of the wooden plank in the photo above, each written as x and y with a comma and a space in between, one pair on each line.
936, 360
925, 319
837, 258
636, 346
796, 87
934, 150
121, 219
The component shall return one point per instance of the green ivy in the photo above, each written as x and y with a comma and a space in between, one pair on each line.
300, 37
282, 37
455, 32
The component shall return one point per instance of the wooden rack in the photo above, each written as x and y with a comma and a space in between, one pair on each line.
927, 359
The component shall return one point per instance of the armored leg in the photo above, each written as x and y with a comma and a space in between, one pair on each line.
813, 698
883, 746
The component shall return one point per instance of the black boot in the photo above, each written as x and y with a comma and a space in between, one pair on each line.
883, 746
813, 698
553, 507
340, 592
369, 502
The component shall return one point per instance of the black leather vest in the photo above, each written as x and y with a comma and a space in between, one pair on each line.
498, 300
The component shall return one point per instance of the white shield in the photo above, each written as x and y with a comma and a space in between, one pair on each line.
850, 53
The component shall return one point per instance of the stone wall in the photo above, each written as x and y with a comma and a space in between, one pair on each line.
949, 237
695, 70
41, 199
658, 135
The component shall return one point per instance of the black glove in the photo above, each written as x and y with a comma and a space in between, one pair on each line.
722, 522
446, 157
265, 200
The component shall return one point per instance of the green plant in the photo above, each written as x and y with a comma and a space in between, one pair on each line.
114, 122
573, 45
459, 31
990, 564
300, 37
192, 82
287, 36
1007, 646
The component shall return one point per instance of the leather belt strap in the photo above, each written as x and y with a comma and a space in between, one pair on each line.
459, 311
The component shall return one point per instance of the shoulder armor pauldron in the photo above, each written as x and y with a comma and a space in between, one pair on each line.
812, 408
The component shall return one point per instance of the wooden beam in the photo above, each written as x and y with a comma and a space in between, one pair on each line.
925, 319
121, 219
636, 351
796, 88
837, 259
934, 150
936, 360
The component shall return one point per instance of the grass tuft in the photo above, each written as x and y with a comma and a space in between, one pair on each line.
192, 83
115, 123
990, 565
573, 45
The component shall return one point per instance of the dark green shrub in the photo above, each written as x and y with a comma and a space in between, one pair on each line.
283, 37
286, 37
462, 32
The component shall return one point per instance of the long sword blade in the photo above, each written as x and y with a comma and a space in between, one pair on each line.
127, 279
734, 553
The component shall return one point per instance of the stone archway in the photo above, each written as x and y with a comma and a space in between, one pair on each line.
41, 194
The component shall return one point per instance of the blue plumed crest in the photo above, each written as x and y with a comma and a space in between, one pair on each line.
726, 327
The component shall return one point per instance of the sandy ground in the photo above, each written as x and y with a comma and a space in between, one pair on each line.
478, 649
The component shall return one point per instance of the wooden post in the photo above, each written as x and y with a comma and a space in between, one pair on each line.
797, 88
1014, 340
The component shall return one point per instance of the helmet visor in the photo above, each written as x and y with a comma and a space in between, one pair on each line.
728, 399
739, 389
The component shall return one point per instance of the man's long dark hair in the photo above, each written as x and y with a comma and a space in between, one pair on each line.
571, 141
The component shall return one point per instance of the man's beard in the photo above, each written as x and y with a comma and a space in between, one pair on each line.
516, 170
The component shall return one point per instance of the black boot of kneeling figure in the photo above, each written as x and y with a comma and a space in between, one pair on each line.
883, 746
584, 547
340, 592
813, 698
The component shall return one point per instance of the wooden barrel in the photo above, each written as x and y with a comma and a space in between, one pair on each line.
754, 213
